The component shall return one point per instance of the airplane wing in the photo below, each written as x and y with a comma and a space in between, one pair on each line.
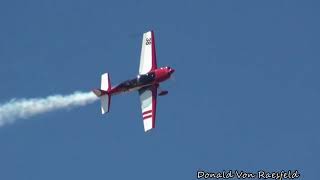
148, 98
148, 59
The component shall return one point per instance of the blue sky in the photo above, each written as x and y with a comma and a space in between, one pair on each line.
245, 95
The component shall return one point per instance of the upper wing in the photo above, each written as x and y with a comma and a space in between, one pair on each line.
148, 59
148, 98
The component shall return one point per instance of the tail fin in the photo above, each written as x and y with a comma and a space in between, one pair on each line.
104, 93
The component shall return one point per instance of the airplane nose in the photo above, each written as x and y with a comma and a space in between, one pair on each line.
172, 71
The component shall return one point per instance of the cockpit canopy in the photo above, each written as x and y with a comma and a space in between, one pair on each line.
145, 78
142, 79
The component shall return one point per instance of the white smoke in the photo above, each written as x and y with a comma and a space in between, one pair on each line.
25, 108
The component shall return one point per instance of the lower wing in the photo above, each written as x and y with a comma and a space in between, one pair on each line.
148, 98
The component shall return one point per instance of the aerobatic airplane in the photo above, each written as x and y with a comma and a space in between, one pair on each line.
146, 83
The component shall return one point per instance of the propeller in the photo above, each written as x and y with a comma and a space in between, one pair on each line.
173, 78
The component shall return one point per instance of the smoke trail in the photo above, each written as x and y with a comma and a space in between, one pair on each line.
24, 108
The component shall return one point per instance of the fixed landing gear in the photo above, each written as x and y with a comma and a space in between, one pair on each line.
163, 93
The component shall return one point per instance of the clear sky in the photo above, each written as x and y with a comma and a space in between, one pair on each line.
246, 93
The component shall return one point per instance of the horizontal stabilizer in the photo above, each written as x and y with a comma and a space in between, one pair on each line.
104, 93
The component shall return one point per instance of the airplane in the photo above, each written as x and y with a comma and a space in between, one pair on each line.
146, 83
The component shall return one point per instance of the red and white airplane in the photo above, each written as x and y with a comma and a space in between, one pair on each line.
147, 83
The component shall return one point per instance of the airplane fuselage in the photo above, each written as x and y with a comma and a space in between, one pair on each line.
142, 80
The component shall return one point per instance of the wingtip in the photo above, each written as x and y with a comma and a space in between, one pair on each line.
148, 129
